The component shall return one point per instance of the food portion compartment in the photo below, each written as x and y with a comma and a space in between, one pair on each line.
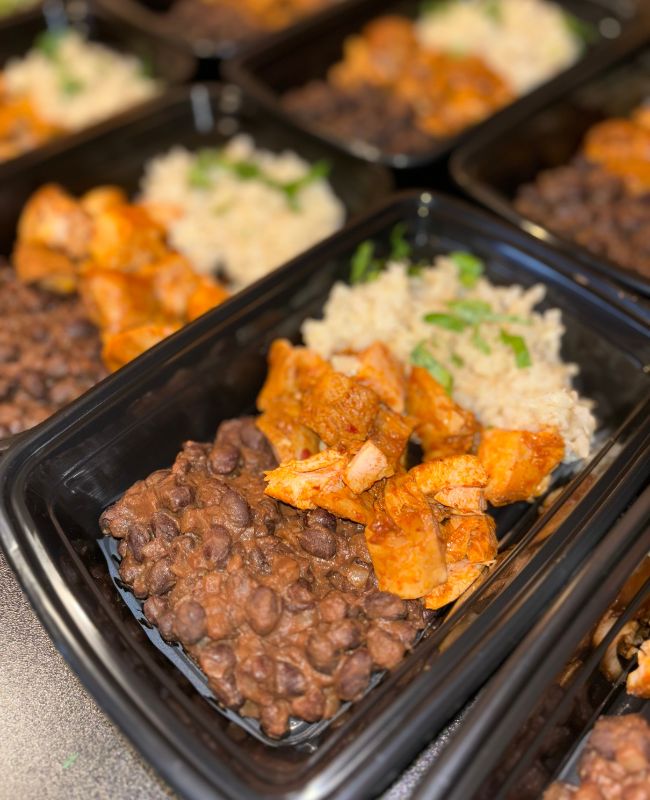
576, 171
218, 29
121, 241
68, 74
568, 714
401, 82
134, 425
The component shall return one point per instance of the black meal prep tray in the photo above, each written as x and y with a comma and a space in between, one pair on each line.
500, 159
150, 15
202, 115
294, 58
56, 482
166, 62
529, 726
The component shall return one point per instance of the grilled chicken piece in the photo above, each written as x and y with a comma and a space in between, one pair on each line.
443, 427
366, 467
173, 282
340, 410
404, 541
126, 238
462, 575
207, 295
120, 348
21, 127
380, 371
98, 200
281, 425
53, 218
622, 146
455, 483
378, 56
290, 371
51, 269
519, 463
638, 681
317, 482
116, 301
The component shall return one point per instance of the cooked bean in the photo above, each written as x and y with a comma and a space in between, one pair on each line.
322, 653
164, 525
236, 508
319, 517
383, 605
224, 459
161, 578
175, 497
386, 652
263, 610
319, 542
138, 536
289, 680
345, 635
153, 608
189, 621
353, 675
298, 596
216, 659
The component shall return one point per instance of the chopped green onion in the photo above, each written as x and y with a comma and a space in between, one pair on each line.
470, 268
447, 321
479, 343
421, 357
435, 6
457, 360
70, 85
492, 9
414, 270
471, 311
361, 265
400, 249
518, 347
318, 170
49, 42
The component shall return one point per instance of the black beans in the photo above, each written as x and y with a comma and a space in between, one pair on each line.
385, 650
319, 517
224, 459
353, 675
298, 596
263, 610
289, 680
138, 537
153, 608
164, 525
383, 605
319, 542
175, 497
189, 621
345, 635
236, 508
322, 653
216, 659
216, 547
161, 578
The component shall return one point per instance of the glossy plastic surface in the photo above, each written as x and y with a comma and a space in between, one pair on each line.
57, 480
498, 160
294, 58
529, 725
200, 116
166, 61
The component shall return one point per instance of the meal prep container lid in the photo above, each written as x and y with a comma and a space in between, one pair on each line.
56, 481
498, 720
167, 61
293, 58
194, 117
489, 165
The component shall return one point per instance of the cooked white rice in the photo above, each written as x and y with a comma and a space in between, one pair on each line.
84, 83
244, 228
524, 41
390, 309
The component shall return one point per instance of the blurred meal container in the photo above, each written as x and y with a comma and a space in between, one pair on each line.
195, 117
167, 63
504, 157
56, 483
205, 39
529, 725
294, 58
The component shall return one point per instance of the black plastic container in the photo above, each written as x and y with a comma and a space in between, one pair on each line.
528, 727
194, 117
167, 63
500, 159
57, 480
294, 58
151, 15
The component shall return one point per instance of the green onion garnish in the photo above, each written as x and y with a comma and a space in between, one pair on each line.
470, 268
421, 357
518, 347
447, 321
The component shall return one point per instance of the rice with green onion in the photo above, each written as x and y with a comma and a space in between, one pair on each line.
242, 211
486, 344
73, 83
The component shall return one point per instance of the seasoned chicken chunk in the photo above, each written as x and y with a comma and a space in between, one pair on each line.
404, 541
125, 237
455, 483
290, 371
339, 409
518, 463
50, 269
281, 425
120, 348
382, 372
442, 426
98, 200
116, 301
638, 681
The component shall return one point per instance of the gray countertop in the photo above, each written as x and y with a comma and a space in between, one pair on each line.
55, 741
